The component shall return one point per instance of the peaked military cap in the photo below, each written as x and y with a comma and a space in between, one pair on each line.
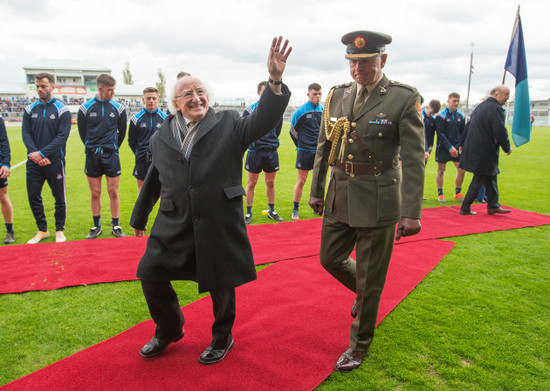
365, 44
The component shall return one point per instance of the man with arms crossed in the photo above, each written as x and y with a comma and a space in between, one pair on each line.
102, 127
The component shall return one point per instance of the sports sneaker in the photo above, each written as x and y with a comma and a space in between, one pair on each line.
295, 215
94, 233
441, 198
117, 231
38, 237
60, 237
247, 218
10, 238
459, 197
274, 216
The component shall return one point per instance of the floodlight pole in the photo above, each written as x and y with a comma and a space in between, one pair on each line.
470, 77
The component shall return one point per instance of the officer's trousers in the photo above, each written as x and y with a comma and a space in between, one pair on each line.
365, 277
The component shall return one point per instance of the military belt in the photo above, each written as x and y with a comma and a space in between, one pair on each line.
375, 168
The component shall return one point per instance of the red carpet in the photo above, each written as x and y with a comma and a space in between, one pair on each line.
56, 265
292, 324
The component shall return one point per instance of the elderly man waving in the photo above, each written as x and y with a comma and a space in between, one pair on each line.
199, 233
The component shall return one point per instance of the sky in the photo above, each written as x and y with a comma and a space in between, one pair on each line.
225, 43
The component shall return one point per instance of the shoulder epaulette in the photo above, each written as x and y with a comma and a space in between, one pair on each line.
399, 84
345, 85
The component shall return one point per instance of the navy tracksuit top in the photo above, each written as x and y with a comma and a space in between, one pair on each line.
102, 124
46, 128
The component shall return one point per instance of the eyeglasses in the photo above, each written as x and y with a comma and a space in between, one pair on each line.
188, 94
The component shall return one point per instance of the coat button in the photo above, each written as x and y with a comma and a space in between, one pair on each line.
350, 157
353, 124
350, 141
190, 188
394, 180
380, 134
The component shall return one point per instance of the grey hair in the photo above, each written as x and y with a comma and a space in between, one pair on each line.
173, 93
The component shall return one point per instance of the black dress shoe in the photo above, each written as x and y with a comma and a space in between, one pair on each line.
157, 346
349, 360
467, 212
212, 356
499, 210
354, 309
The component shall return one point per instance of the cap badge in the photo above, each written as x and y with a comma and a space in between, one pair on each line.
359, 42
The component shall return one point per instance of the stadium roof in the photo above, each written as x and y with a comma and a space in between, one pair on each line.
13, 88
73, 65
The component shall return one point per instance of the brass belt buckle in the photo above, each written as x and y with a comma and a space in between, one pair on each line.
349, 169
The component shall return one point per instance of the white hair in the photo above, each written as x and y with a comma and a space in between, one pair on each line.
173, 93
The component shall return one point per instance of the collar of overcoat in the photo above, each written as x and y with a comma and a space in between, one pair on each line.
375, 98
205, 125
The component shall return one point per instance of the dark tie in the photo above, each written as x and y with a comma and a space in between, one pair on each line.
360, 100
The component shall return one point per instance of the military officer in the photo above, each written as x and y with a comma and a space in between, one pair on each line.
373, 136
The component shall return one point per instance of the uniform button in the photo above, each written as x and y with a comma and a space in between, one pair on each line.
380, 134
394, 180
353, 124
190, 188
196, 219
350, 141
350, 157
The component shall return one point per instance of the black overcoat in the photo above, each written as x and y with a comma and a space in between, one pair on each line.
199, 233
484, 134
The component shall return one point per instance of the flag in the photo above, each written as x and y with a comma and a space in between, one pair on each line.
516, 64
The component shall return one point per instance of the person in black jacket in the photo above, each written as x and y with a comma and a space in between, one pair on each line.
484, 134
199, 233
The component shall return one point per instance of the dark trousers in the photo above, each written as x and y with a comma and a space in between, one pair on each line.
165, 310
365, 277
491, 190
54, 174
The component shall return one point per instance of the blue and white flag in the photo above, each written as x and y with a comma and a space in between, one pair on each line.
516, 64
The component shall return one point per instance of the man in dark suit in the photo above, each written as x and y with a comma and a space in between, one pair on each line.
485, 133
370, 128
199, 233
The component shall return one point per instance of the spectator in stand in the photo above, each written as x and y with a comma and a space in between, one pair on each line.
5, 203
46, 128
142, 126
449, 125
102, 127
262, 156
304, 131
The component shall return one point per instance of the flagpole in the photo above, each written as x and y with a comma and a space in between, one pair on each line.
511, 38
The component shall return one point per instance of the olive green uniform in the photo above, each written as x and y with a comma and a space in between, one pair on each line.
362, 209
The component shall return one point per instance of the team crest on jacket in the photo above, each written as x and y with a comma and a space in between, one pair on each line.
112, 115
419, 107
52, 116
359, 42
